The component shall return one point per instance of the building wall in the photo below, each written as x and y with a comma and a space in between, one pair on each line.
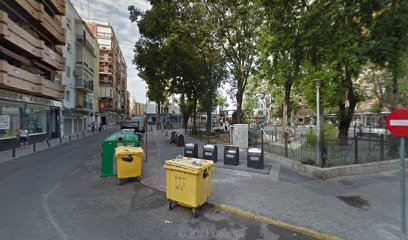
112, 74
31, 63
80, 74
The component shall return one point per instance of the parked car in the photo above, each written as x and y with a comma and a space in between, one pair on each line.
135, 123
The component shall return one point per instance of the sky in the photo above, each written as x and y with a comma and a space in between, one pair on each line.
115, 12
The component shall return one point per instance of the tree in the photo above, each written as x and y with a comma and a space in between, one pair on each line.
281, 49
234, 27
388, 39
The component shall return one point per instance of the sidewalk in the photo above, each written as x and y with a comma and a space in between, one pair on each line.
357, 207
21, 152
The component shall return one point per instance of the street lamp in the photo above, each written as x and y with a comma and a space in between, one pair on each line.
145, 122
319, 154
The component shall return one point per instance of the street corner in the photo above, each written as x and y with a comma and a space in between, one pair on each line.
301, 231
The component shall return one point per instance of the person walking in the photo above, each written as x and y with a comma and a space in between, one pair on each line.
22, 135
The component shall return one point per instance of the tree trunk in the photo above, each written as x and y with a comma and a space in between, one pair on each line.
185, 123
209, 117
158, 115
394, 141
195, 115
346, 113
286, 106
239, 97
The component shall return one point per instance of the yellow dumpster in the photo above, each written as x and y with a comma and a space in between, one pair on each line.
129, 162
188, 182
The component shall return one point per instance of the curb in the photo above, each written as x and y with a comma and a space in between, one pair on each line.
260, 218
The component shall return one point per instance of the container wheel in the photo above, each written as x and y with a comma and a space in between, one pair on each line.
138, 179
195, 212
121, 181
170, 205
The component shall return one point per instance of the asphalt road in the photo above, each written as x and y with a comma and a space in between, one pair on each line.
58, 194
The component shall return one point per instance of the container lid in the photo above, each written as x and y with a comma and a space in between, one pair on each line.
209, 147
123, 150
190, 145
187, 165
255, 150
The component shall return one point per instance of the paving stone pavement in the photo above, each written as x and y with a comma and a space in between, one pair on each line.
355, 207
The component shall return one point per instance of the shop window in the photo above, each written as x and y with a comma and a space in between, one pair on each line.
34, 119
8, 121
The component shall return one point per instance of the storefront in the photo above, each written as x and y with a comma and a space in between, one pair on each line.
40, 116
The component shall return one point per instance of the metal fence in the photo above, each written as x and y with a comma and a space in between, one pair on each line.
361, 147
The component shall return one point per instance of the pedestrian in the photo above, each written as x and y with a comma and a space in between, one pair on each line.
22, 135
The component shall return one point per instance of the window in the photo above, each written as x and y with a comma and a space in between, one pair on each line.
68, 48
68, 95
68, 71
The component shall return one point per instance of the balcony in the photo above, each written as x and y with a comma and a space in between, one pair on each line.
80, 39
84, 85
84, 106
22, 41
14, 78
58, 6
51, 25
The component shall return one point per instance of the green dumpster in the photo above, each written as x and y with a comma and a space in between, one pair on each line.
108, 150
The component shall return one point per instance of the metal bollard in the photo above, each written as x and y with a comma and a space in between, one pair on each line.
69, 138
48, 143
382, 157
13, 152
77, 135
60, 140
355, 150
34, 147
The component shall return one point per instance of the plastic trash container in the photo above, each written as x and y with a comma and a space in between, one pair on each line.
191, 150
188, 182
129, 162
108, 150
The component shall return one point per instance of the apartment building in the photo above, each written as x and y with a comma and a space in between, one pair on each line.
140, 108
81, 74
112, 74
31, 65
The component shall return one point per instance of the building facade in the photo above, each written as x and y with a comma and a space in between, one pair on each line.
112, 75
80, 76
31, 65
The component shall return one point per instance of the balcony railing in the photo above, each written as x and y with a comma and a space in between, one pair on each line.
51, 25
84, 105
84, 84
23, 40
82, 40
15, 78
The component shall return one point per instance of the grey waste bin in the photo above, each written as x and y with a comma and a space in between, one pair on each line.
210, 152
173, 137
191, 150
179, 140
255, 158
231, 155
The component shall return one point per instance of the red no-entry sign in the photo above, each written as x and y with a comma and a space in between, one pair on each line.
397, 122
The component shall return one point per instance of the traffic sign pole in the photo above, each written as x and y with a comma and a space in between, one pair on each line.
403, 215
397, 124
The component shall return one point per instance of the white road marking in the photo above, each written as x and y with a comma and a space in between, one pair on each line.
50, 217
399, 123
274, 174
73, 173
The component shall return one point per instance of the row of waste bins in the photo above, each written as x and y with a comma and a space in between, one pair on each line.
177, 138
255, 156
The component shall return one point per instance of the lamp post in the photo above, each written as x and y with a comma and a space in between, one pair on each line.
319, 154
146, 120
